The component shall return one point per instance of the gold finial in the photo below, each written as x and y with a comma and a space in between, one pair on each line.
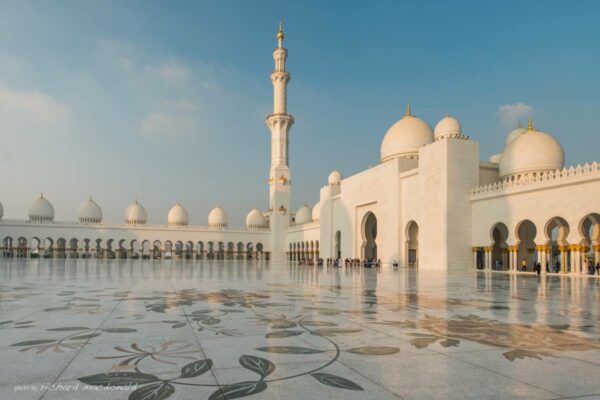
41, 195
530, 124
447, 114
90, 197
408, 114
280, 32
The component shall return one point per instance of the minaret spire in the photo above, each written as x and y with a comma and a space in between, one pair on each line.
279, 123
280, 34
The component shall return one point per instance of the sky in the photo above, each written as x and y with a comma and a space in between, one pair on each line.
164, 101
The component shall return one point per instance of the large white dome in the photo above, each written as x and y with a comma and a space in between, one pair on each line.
531, 151
303, 215
136, 214
515, 133
335, 177
255, 219
405, 138
41, 210
316, 212
218, 218
448, 127
178, 216
89, 212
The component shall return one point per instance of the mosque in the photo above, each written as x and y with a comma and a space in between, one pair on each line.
431, 203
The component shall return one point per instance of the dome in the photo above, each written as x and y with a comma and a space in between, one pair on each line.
316, 212
255, 219
41, 210
515, 133
89, 212
218, 218
136, 214
303, 215
405, 138
178, 216
335, 177
531, 151
448, 127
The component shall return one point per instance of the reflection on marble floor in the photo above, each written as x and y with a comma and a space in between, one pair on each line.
140, 329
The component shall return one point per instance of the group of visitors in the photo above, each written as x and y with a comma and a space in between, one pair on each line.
347, 262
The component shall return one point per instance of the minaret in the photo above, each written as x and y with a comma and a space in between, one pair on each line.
279, 177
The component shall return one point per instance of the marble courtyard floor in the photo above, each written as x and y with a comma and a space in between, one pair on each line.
142, 329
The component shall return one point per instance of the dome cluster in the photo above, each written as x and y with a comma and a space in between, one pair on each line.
530, 151
409, 134
89, 212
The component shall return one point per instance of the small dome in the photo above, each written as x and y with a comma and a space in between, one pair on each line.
335, 177
405, 138
178, 216
136, 214
448, 127
515, 133
303, 215
531, 151
218, 218
41, 210
255, 219
89, 212
316, 212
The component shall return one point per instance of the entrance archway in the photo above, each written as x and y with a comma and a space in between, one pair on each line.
338, 244
557, 231
369, 236
527, 252
499, 246
412, 244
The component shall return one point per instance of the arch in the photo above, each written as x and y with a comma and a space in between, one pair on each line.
200, 249
259, 250
61, 248
145, 249
589, 228
527, 252
499, 236
21, 250
98, 248
240, 250
557, 228
156, 249
412, 244
557, 231
35, 244
369, 236
230, 250
189, 250
249, 251
337, 253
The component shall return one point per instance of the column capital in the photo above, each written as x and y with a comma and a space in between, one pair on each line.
563, 247
488, 249
513, 249
596, 247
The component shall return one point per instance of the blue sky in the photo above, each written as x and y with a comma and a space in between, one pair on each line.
165, 101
